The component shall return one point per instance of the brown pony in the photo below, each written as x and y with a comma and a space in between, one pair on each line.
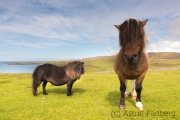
131, 62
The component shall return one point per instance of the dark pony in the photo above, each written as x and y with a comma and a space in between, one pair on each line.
131, 62
57, 76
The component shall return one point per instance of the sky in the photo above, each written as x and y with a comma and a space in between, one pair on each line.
50, 30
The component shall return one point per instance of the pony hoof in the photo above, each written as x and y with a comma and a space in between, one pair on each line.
122, 107
133, 97
45, 93
139, 106
127, 95
69, 95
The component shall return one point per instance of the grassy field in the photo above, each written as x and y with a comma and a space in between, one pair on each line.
95, 97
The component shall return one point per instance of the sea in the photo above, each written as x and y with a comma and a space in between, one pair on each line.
11, 68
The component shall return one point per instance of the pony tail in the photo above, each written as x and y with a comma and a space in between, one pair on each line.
35, 80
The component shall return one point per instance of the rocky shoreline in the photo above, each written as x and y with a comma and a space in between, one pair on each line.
24, 63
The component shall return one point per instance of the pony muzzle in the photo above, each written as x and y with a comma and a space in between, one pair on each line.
131, 58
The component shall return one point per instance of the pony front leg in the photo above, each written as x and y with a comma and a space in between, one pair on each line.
69, 88
138, 98
138, 88
122, 89
44, 88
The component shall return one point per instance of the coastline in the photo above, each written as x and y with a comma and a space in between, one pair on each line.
26, 63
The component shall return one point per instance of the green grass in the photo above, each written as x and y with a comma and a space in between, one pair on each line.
98, 65
95, 97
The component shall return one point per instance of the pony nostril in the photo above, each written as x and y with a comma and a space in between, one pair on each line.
135, 56
125, 55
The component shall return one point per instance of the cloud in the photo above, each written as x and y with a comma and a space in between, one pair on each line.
174, 44
45, 26
37, 45
52, 23
166, 46
174, 28
110, 51
65, 20
171, 41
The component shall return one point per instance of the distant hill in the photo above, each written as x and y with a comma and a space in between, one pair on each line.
164, 55
99, 57
151, 55
157, 60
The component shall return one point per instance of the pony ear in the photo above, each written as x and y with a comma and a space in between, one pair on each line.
82, 63
117, 26
144, 22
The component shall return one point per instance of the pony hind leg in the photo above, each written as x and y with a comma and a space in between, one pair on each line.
34, 90
127, 91
44, 88
133, 94
35, 86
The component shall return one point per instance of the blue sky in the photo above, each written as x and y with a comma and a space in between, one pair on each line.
74, 29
